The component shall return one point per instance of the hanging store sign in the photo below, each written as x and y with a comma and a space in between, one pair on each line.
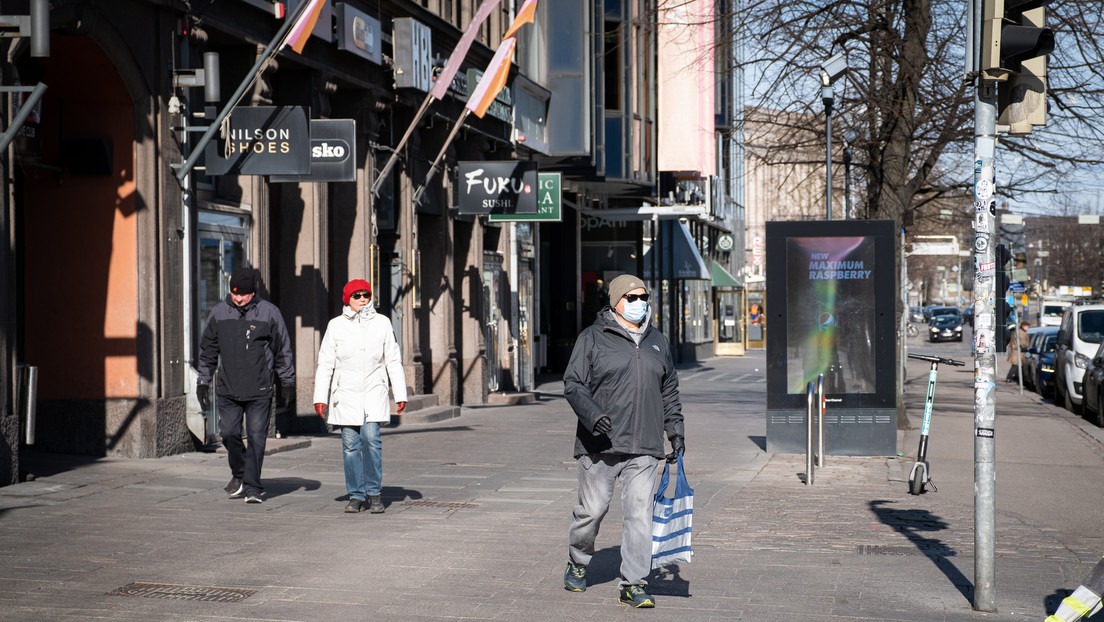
357, 32
549, 202
497, 187
262, 140
413, 47
332, 152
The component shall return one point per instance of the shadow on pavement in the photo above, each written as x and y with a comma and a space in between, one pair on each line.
911, 523
668, 581
278, 486
42, 464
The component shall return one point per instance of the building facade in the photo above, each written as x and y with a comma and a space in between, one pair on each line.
115, 257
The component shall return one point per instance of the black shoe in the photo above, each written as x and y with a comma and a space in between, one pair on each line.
253, 497
239, 493
575, 578
375, 504
355, 505
234, 486
635, 596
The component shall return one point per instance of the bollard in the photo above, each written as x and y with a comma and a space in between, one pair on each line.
822, 404
809, 414
28, 397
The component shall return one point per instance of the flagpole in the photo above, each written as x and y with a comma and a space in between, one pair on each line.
387, 166
201, 144
433, 168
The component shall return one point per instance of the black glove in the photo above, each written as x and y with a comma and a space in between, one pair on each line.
678, 447
203, 393
603, 425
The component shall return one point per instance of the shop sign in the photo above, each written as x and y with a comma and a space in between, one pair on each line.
357, 32
549, 202
508, 187
262, 140
332, 152
413, 51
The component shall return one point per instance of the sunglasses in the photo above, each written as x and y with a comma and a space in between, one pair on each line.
359, 295
635, 297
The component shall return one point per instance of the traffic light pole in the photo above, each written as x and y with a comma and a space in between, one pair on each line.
985, 348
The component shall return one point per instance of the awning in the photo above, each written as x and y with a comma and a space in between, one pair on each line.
724, 278
677, 256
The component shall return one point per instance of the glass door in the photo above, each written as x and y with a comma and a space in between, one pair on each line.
223, 248
728, 322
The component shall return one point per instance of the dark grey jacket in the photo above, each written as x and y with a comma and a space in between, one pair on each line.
246, 344
636, 386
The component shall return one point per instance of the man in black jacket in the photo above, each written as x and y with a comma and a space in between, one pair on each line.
622, 384
246, 340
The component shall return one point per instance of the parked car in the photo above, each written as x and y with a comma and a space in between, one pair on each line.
1035, 339
1044, 366
1050, 311
915, 315
1091, 386
945, 326
1079, 336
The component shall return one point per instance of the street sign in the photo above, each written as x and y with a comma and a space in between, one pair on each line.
1016, 287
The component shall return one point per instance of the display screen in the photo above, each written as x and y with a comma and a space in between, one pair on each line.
830, 317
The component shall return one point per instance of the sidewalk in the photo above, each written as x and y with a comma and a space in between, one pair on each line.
478, 508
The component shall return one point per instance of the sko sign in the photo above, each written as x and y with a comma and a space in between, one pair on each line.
333, 145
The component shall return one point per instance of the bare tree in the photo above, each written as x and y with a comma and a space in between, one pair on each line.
906, 97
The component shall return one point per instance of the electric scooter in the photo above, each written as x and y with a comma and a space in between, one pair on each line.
921, 473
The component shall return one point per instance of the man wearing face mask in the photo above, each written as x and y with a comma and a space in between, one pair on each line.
622, 384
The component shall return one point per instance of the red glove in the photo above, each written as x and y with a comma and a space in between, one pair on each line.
400, 406
320, 408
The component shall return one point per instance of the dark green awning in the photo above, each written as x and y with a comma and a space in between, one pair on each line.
723, 278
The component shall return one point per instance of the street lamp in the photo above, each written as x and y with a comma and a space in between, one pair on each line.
830, 71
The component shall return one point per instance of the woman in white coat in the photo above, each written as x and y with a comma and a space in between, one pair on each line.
359, 355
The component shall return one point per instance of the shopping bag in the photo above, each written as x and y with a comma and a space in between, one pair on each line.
671, 519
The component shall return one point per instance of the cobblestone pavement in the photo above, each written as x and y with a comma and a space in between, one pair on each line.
478, 506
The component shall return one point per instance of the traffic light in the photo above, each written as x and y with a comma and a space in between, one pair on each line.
1014, 48
1001, 333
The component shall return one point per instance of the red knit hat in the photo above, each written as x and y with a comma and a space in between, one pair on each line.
352, 287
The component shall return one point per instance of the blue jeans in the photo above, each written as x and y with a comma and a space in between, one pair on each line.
363, 457
597, 475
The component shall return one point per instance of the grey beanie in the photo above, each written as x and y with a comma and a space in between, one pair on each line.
622, 285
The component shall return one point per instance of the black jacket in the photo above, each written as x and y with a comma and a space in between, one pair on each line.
246, 344
635, 386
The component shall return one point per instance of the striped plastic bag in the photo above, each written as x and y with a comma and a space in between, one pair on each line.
671, 519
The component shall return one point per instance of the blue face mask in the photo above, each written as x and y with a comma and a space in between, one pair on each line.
635, 312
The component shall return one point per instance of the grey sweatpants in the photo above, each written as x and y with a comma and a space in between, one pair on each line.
597, 475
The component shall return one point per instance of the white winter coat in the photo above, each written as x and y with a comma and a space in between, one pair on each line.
358, 356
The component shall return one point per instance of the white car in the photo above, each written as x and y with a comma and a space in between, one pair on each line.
1050, 311
1079, 335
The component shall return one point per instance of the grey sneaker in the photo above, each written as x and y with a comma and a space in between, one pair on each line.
575, 578
635, 596
375, 504
238, 492
253, 498
234, 485
355, 505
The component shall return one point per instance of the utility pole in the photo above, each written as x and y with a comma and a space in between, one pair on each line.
985, 358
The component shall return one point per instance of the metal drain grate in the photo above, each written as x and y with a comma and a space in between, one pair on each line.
882, 549
184, 592
877, 549
425, 503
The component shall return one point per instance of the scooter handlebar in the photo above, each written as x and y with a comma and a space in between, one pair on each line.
936, 359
